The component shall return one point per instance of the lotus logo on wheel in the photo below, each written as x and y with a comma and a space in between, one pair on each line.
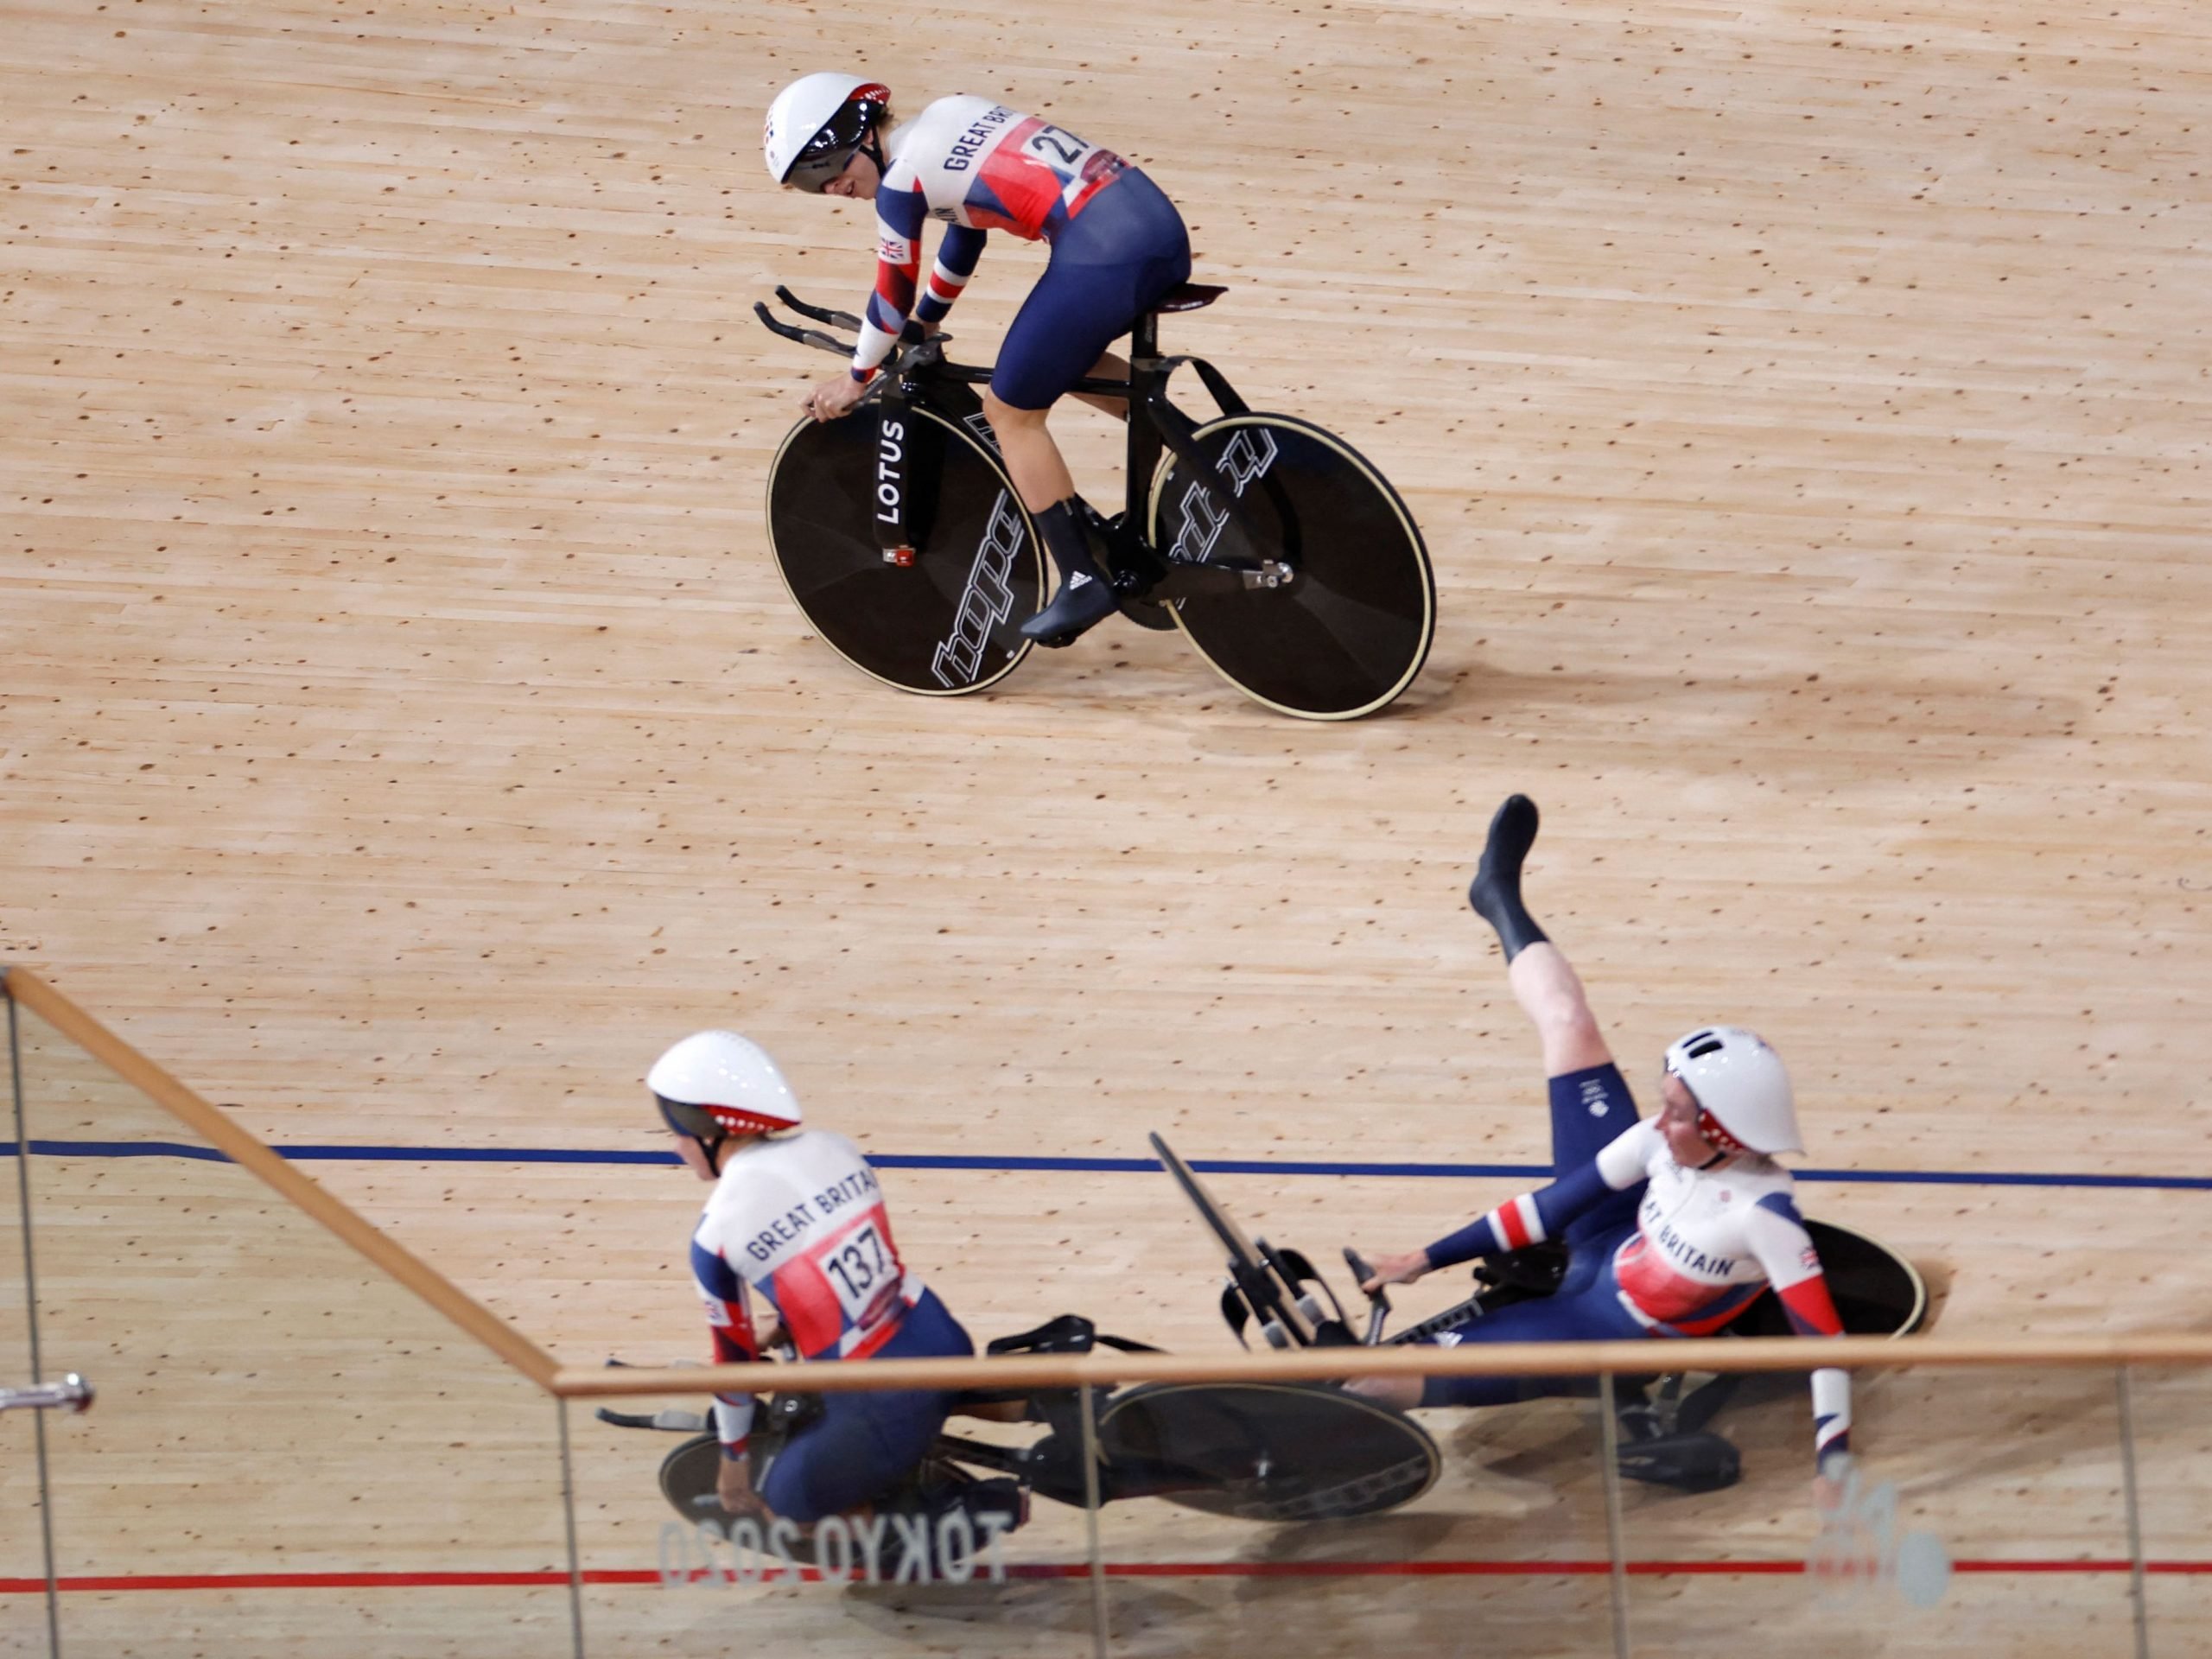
1249, 455
890, 452
986, 602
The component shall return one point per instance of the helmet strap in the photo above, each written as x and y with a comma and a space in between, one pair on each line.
1726, 1145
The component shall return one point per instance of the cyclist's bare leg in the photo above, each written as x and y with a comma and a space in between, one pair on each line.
1112, 366
1033, 460
1550, 993
1040, 478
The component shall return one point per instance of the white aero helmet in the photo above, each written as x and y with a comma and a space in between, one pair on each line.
817, 122
1740, 1084
716, 1083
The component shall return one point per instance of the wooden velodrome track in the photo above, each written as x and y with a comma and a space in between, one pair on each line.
404, 734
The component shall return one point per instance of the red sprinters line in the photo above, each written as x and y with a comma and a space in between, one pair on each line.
1050, 1570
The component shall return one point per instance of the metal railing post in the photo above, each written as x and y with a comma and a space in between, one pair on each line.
1616, 1548
1091, 1506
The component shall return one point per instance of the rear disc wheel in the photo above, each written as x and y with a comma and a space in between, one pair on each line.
1349, 630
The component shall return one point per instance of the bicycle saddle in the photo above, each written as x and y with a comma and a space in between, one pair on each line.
1189, 296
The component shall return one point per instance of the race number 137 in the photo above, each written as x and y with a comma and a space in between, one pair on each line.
860, 1266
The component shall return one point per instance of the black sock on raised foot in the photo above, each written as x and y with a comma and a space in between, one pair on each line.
1496, 891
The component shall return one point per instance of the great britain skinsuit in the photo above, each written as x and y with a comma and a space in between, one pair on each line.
800, 1220
1702, 1246
979, 166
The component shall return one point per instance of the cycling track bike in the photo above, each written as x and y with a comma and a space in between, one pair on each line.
1282, 554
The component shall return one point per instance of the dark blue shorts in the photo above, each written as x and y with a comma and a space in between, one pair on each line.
1590, 1311
1589, 1109
1592, 1109
1111, 264
863, 1445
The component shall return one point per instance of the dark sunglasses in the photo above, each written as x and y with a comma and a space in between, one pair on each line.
830, 150
687, 1119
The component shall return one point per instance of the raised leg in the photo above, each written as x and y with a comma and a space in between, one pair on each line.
1544, 983
1550, 993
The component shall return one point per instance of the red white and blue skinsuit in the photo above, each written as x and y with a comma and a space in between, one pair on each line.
800, 1220
1117, 243
1699, 1249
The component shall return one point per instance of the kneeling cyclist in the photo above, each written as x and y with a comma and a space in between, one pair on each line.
796, 1216
1118, 245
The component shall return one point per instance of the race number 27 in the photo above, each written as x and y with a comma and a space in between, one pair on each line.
1051, 140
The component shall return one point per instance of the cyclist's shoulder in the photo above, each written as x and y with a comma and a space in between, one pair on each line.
959, 109
1640, 1143
769, 1171
959, 121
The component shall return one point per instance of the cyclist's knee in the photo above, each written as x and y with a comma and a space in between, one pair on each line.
1569, 1033
1002, 414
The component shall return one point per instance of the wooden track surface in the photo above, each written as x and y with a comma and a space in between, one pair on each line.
404, 735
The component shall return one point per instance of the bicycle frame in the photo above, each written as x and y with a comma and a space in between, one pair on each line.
1154, 424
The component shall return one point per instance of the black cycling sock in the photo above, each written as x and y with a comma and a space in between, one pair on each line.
1060, 527
1496, 890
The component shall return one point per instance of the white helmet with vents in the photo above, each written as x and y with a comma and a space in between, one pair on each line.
716, 1083
1741, 1084
817, 122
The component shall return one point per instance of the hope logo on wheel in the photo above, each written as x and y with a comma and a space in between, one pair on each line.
986, 602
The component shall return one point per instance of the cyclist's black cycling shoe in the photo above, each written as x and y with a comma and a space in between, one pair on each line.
1082, 604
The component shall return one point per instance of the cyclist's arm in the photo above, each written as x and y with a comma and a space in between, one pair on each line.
900, 210
730, 1318
1535, 1217
957, 254
1777, 1237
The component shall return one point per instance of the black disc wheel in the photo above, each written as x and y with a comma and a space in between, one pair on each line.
1876, 1290
1265, 1451
688, 1476
945, 625
1350, 628
689, 1473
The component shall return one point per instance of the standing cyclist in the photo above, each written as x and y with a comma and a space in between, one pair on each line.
1117, 246
796, 1215
1673, 1226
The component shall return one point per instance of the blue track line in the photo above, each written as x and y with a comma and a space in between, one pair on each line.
1081, 1165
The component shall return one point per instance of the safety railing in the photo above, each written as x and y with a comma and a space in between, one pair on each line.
306, 1435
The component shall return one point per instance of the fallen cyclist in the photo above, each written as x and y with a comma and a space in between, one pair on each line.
1673, 1226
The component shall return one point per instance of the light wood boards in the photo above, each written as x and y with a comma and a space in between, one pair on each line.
403, 736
